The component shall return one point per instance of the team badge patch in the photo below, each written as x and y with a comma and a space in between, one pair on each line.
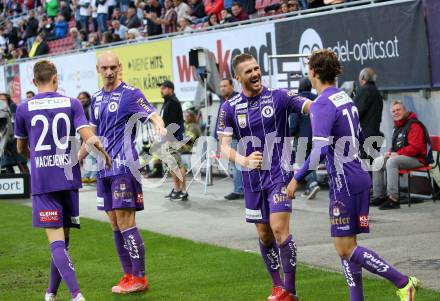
242, 121
139, 198
267, 111
122, 186
113, 106
336, 211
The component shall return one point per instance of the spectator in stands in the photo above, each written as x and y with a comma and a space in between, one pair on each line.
76, 38
31, 29
52, 8
46, 26
277, 8
123, 5
132, 18
212, 21
238, 14
30, 94
213, 6
133, 34
228, 4
408, 150
94, 14
197, 9
83, 36
107, 38
65, 11
303, 4
102, 11
84, 12
225, 16
119, 30
2, 39
93, 40
111, 7
39, 47
369, 103
168, 19
185, 24
292, 6
182, 9
153, 9
117, 15
61, 27
247, 5
316, 3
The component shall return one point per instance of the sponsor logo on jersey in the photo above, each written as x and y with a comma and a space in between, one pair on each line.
363, 221
336, 211
340, 221
49, 216
113, 106
48, 103
253, 214
139, 198
144, 106
340, 99
122, 186
241, 106
291, 93
221, 120
267, 111
242, 120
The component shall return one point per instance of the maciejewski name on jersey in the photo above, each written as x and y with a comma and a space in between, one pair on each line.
59, 160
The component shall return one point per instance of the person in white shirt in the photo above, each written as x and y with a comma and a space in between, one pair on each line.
102, 14
182, 9
84, 12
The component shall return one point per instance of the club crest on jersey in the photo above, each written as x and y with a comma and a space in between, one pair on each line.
113, 106
336, 211
122, 186
96, 112
267, 111
242, 121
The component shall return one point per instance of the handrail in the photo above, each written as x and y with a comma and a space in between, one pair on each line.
335, 8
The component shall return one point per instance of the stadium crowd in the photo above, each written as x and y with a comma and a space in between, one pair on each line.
29, 28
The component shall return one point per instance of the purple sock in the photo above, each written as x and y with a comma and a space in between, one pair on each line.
353, 275
288, 261
124, 256
271, 257
62, 261
55, 277
375, 264
135, 247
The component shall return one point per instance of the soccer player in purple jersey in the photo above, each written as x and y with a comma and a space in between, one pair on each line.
40, 126
336, 136
118, 191
258, 117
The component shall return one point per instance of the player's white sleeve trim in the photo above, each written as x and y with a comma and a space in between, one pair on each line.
303, 105
149, 116
20, 137
321, 138
82, 126
92, 124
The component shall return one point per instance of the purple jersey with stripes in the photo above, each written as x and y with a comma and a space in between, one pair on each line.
263, 119
45, 120
335, 119
110, 112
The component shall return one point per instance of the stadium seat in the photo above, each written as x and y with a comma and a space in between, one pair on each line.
435, 143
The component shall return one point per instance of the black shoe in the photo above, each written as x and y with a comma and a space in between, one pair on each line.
169, 194
378, 201
183, 196
390, 204
233, 196
175, 195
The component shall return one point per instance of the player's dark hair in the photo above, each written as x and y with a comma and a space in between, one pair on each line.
30, 92
238, 59
326, 65
236, 4
44, 70
7, 96
229, 81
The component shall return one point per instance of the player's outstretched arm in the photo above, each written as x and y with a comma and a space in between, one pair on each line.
252, 161
23, 147
91, 140
307, 105
159, 125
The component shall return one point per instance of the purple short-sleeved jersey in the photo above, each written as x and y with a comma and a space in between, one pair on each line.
335, 119
45, 120
263, 119
110, 112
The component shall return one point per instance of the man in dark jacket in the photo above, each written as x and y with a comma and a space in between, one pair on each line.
301, 127
132, 18
31, 30
172, 114
409, 150
369, 103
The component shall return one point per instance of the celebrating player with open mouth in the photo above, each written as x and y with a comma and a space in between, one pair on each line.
258, 117
337, 136
43, 126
